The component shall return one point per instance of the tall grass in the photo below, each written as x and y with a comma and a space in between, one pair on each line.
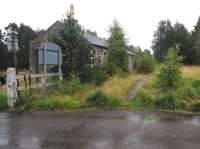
191, 71
188, 93
58, 103
3, 100
118, 86
115, 86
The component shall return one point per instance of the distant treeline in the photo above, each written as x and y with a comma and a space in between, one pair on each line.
24, 34
165, 37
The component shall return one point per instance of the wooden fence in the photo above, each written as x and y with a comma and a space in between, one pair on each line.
26, 83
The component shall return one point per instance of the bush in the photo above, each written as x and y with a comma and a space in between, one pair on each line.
145, 63
169, 101
111, 69
2, 80
3, 101
195, 106
186, 92
58, 103
169, 78
142, 99
100, 76
67, 87
113, 102
99, 99
196, 84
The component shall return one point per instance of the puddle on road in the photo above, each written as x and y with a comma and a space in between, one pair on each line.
29, 143
3, 139
194, 121
134, 118
100, 144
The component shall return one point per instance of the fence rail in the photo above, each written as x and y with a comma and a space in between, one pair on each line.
26, 82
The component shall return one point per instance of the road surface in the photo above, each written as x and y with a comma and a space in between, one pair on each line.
100, 129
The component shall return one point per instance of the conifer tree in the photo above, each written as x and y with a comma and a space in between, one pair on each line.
117, 46
76, 49
196, 43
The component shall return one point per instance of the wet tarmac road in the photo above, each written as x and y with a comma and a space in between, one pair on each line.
101, 129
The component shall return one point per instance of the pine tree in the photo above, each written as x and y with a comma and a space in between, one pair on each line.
196, 43
169, 78
163, 40
2, 51
76, 49
117, 46
25, 35
183, 37
12, 31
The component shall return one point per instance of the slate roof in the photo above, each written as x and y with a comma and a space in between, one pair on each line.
53, 30
95, 40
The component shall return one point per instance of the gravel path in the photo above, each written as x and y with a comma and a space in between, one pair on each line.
136, 86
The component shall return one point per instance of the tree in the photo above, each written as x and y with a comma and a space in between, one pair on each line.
163, 39
196, 43
25, 35
76, 49
91, 32
183, 37
2, 51
169, 78
118, 47
145, 62
2, 45
11, 31
134, 49
168, 36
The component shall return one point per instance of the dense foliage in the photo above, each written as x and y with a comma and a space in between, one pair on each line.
99, 99
168, 35
76, 49
24, 34
196, 43
169, 77
145, 63
118, 47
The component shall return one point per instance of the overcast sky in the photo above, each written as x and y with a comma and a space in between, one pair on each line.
139, 18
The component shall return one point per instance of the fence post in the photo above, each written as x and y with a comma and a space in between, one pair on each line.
60, 65
11, 87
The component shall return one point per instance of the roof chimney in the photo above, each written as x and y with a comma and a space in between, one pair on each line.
71, 12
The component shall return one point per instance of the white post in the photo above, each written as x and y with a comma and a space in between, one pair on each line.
45, 68
60, 65
11, 87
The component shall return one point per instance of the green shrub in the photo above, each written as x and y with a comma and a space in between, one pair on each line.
142, 99
113, 102
195, 106
169, 77
3, 101
74, 84
100, 76
111, 69
196, 84
99, 99
66, 87
186, 92
145, 63
55, 103
169, 101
